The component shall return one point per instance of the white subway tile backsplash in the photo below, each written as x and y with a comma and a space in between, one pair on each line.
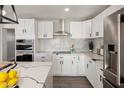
63, 44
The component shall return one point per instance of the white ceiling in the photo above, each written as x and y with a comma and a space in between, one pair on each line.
57, 11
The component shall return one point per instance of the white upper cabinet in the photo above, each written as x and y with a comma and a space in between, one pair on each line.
41, 29
87, 29
80, 29
76, 30
25, 29
45, 29
97, 25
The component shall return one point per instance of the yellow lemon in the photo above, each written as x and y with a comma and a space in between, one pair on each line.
3, 85
12, 82
12, 74
3, 76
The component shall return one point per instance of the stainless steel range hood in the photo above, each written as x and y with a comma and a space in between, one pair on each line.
61, 31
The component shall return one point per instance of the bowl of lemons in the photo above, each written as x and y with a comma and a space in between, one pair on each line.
8, 80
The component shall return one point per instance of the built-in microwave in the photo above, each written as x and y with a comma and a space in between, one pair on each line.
24, 44
24, 50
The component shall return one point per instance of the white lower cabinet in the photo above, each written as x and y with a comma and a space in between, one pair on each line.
99, 75
57, 65
79, 65
68, 65
93, 72
62, 65
74, 65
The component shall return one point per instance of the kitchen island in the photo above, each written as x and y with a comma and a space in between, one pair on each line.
34, 74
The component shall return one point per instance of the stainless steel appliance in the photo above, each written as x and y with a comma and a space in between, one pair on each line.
24, 50
61, 31
114, 50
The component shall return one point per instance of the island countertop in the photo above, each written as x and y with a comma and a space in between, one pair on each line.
32, 74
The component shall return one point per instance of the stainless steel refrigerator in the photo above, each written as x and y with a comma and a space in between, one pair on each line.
114, 50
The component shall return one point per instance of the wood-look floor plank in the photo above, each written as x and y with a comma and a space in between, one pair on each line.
71, 82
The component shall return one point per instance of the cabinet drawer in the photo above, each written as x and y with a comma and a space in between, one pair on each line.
43, 57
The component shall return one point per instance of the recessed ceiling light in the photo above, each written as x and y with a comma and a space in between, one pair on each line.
66, 9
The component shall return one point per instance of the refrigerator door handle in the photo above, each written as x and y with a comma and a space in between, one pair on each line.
119, 39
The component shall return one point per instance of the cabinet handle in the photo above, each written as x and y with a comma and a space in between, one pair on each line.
97, 33
90, 34
100, 78
60, 62
72, 62
25, 30
90, 62
61, 57
87, 65
43, 57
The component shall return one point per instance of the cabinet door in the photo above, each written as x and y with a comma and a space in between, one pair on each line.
86, 65
91, 72
74, 65
29, 29
19, 29
99, 75
48, 29
97, 24
66, 65
41, 29
80, 67
87, 29
57, 63
93, 28
76, 30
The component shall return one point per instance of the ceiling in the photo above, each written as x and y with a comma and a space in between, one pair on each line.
57, 11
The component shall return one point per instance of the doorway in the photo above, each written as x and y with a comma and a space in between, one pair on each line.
8, 45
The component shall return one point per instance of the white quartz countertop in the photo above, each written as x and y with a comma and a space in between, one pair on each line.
89, 54
94, 56
33, 74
